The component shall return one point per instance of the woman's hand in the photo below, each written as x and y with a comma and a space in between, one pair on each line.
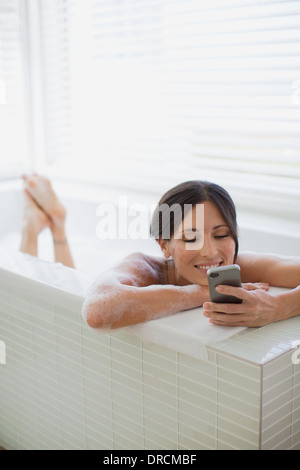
257, 309
255, 286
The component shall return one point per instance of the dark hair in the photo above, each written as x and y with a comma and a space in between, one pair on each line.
192, 192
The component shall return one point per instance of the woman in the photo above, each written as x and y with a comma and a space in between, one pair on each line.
43, 209
143, 287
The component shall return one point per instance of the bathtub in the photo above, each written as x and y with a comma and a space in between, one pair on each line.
173, 383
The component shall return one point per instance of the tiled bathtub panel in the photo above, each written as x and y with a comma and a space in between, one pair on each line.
261, 345
280, 440
242, 368
280, 404
33, 378
155, 396
159, 395
295, 444
98, 409
196, 404
16, 398
201, 373
138, 384
296, 409
5, 329
166, 415
231, 397
90, 390
73, 429
278, 371
127, 407
159, 430
9, 430
99, 435
238, 399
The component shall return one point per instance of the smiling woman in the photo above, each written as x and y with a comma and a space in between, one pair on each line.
218, 248
143, 287
216, 240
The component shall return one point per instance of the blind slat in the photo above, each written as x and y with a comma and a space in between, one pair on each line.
12, 109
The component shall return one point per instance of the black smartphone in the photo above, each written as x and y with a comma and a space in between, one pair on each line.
226, 275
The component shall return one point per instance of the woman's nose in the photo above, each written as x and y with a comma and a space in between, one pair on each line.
208, 247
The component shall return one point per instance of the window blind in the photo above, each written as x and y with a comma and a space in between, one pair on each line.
13, 127
148, 93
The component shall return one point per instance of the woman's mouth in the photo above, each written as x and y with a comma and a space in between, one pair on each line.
206, 267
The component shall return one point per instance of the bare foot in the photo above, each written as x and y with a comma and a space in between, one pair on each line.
34, 219
41, 191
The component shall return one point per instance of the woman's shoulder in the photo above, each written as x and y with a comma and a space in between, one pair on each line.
144, 269
274, 269
143, 257
252, 266
250, 258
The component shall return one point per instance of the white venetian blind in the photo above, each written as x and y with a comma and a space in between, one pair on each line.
148, 93
13, 125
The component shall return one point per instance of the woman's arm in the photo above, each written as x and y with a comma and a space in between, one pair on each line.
280, 271
135, 292
115, 307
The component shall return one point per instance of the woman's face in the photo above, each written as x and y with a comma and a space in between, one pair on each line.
192, 254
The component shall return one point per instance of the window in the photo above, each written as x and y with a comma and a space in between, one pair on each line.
14, 130
147, 93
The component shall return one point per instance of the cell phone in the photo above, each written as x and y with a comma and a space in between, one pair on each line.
226, 275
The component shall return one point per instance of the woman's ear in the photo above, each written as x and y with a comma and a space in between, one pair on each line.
165, 247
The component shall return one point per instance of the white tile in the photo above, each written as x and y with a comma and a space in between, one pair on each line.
153, 406
239, 367
198, 377
200, 423
96, 441
283, 365
241, 404
158, 438
196, 438
238, 431
231, 441
249, 422
234, 390
281, 439
197, 400
295, 438
126, 439
282, 402
156, 373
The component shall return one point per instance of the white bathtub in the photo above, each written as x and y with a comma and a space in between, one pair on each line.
174, 383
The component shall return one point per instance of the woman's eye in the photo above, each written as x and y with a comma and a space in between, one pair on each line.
191, 238
221, 236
